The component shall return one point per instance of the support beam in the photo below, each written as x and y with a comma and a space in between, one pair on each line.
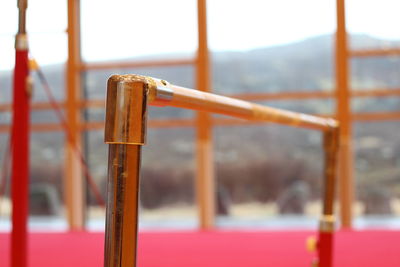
375, 52
343, 111
73, 178
205, 184
136, 64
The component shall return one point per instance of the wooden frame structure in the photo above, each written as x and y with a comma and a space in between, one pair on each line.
125, 132
73, 181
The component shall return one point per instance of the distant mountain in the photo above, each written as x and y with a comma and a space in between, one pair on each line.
302, 66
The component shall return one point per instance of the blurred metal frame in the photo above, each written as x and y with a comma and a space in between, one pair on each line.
73, 181
75, 67
343, 114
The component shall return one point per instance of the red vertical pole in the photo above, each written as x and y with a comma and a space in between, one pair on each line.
20, 146
325, 249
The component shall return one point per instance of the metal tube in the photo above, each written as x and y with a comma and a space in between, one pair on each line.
192, 99
22, 6
125, 131
331, 147
327, 221
122, 206
162, 93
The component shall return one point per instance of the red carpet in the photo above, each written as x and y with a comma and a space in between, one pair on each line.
212, 249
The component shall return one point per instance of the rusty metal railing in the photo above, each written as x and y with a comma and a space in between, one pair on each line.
126, 113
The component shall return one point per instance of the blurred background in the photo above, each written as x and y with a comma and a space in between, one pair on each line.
279, 53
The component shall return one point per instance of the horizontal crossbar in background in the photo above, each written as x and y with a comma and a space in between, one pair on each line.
136, 64
375, 52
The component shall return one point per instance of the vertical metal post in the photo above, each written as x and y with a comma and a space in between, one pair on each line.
125, 131
327, 221
343, 110
20, 145
205, 182
73, 176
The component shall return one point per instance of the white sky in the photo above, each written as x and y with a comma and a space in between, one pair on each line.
126, 28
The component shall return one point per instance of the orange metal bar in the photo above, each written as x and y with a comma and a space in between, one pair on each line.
73, 178
205, 181
197, 100
136, 64
343, 110
362, 116
380, 92
376, 116
46, 127
295, 95
162, 93
34, 106
376, 93
375, 52
37, 127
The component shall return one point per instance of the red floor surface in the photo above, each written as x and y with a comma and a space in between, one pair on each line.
212, 249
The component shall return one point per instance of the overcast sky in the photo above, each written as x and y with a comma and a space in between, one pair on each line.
126, 28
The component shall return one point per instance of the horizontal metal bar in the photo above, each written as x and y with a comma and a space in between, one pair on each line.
284, 95
136, 64
375, 52
7, 107
376, 116
202, 101
36, 127
376, 93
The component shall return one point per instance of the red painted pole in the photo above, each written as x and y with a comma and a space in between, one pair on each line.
325, 249
20, 146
